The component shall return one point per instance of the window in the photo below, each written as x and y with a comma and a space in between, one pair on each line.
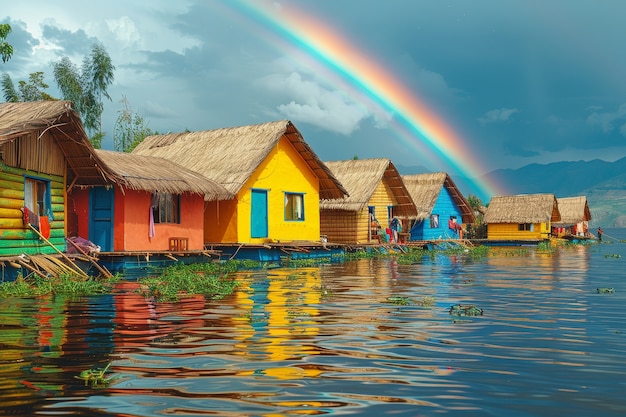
525, 227
165, 208
37, 196
294, 206
434, 221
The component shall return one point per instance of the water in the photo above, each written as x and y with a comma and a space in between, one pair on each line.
329, 340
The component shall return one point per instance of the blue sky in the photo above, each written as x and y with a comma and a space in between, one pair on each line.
520, 81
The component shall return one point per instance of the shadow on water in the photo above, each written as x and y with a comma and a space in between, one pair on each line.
365, 337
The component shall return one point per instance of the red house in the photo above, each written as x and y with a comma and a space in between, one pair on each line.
157, 205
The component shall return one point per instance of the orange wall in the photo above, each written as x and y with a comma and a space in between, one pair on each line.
132, 220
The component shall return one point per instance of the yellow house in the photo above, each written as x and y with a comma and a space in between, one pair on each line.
521, 217
376, 194
274, 174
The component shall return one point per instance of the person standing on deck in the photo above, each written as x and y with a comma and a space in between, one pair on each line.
600, 231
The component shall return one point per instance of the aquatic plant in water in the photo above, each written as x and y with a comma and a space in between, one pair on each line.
465, 310
95, 376
186, 280
65, 284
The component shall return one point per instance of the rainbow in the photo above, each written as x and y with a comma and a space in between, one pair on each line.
416, 123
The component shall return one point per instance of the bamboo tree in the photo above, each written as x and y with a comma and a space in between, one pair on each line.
33, 90
85, 88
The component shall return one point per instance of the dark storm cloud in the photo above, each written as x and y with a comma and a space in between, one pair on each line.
518, 81
76, 43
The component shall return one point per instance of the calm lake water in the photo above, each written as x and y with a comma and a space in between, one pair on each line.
331, 340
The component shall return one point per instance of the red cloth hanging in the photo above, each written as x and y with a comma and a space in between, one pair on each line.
44, 226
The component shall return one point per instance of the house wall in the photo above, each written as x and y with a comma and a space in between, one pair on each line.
339, 226
445, 207
132, 221
381, 199
283, 170
220, 221
510, 231
15, 237
78, 213
354, 227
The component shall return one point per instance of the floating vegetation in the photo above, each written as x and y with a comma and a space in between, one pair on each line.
65, 284
545, 247
398, 300
427, 301
303, 262
186, 280
605, 290
95, 377
612, 255
465, 310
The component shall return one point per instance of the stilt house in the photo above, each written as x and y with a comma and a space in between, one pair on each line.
575, 217
156, 205
441, 207
376, 194
274, 174
521, 217
44, 154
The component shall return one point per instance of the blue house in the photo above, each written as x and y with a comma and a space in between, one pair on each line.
441, 208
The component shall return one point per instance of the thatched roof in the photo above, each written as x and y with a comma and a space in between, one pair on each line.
573, 210
425, 189
523, 208
60, 120
361, 177
230, 156
148, 173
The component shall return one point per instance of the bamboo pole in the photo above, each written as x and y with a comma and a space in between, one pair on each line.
102, 269
77, 271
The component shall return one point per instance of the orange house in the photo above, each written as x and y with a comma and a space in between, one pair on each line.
156, 205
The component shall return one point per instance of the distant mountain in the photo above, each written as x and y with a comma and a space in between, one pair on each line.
603, 183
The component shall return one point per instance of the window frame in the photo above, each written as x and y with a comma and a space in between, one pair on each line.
166, 208
291, 206
435, 222
525, 227
37, 190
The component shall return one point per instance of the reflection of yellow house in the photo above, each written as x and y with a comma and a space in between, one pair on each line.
376, 192
286, 309
276, 177
521, 217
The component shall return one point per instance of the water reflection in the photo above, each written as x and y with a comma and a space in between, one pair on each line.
331, 339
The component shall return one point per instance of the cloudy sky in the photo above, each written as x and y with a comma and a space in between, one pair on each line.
461, 86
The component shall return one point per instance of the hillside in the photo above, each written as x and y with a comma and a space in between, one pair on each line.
604, 184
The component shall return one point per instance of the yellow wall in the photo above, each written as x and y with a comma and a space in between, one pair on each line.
381, 199
510, 231
283, 170
353, 227
220, 221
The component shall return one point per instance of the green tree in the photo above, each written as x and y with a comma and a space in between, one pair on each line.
33, 90
130, 129
6, 50
86, 88
475, 203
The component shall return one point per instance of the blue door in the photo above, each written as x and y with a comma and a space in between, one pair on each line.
259, 213
101, 218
